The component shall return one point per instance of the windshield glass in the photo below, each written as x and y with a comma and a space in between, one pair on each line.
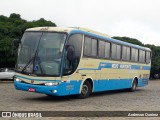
27, 50
47, 54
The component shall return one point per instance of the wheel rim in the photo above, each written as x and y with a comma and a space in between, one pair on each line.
84, 89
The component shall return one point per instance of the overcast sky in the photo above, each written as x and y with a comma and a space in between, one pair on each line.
138, 19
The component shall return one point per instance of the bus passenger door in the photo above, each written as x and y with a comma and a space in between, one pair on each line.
71, 59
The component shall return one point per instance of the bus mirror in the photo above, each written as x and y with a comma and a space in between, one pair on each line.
16, 43
70, 52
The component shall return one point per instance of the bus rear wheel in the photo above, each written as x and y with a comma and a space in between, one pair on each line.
86, 90
134, 86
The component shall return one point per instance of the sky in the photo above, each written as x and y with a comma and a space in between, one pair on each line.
138, 19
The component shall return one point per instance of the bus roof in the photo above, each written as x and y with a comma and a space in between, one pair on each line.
88, 32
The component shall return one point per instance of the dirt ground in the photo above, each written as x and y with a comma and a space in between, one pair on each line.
144, 99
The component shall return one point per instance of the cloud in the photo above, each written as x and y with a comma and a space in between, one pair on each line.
133, 18
136, 29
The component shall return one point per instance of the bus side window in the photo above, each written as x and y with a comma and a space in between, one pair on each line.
94, 47
107, 50
72, 53
126, 53
101, 51
134, 55
141, 56
87, 46
116, 51
148, 57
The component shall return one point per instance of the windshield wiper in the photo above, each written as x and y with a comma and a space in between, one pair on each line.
27, 64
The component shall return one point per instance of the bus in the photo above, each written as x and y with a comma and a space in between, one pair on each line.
60, 61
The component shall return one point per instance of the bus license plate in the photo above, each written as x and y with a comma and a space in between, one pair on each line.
31, 89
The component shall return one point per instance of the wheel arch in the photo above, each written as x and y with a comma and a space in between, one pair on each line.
90, 80
135, 78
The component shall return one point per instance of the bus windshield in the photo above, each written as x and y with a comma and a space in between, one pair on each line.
40, 53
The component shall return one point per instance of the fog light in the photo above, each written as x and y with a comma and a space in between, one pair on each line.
51, 84
54, 91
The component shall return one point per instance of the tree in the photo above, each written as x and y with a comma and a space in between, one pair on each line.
11, 28
129, 40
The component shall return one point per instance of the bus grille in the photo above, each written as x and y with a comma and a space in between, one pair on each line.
32, 84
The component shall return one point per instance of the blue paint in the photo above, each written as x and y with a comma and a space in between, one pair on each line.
146, 68
63, 88
104, 65
113, 84
142, 82
73, 87
135, 67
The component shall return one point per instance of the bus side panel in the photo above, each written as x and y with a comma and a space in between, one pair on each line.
113, 84
143, 82
114, 75
70, 88
101, 85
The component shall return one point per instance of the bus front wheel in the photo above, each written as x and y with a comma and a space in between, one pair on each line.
85, 90
134, 86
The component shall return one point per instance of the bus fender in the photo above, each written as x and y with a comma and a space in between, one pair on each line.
135, 78
83, 80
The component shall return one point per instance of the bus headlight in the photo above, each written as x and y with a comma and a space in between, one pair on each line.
18, 80
51, 83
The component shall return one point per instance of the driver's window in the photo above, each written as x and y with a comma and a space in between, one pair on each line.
72, 53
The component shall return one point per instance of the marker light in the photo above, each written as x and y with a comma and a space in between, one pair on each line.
51, 83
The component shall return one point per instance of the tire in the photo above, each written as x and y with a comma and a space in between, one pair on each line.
134, 86
49, 95
85, 91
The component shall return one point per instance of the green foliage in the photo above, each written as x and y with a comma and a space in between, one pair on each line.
11, 28
155, 52
129, 40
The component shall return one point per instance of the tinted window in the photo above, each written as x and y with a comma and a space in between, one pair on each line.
134, 55
90, 47
107, 49
141, 56
114, 51
94, 47
76, 41
72, 54
133, 50
101, 47
87, 46
118, 51
126, 53
148, 57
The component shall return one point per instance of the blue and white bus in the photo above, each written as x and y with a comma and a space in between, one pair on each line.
77, 61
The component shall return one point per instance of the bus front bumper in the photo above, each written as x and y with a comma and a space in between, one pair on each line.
49, 90
61, 89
